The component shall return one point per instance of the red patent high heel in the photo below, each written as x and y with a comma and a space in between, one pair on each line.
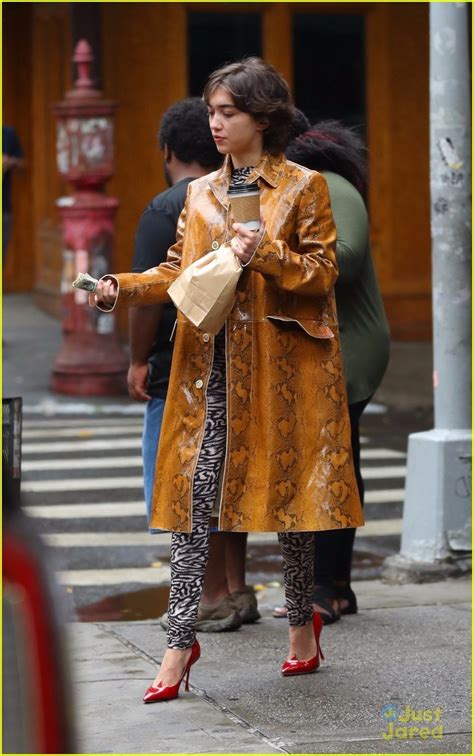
296, 666
162, 692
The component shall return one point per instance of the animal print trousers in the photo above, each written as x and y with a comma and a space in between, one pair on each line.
189, 551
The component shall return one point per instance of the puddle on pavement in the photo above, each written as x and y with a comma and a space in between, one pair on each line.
264, 565
147, 603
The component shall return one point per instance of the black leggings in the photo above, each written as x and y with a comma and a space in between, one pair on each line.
333, 548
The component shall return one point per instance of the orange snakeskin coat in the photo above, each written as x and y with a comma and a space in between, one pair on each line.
288, 463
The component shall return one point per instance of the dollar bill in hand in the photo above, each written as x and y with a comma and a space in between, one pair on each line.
86, 282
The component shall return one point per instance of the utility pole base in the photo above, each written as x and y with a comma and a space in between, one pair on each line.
436, 536
399, 570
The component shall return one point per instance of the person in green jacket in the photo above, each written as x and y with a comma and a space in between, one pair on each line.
340, 155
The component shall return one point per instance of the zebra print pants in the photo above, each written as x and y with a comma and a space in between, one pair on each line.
189, 551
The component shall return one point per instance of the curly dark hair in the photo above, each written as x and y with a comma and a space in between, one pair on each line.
298, 125
331, 146
185, 129
258, 89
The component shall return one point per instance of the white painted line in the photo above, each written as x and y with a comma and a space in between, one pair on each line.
385, 496
378, 473
143, 538
380, 528
86, 484
375, 409
86, 511
101, 484
382, 454
50, 447
83, 540
154, 575
87, 431
93, 540
50, 407
87, 463
120, 422
112, 444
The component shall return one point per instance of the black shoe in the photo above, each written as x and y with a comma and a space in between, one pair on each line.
345, 593
323, 596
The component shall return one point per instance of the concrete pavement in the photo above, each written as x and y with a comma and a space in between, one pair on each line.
408, 646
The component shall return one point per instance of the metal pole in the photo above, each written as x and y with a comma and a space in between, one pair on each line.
437, 512
450, 149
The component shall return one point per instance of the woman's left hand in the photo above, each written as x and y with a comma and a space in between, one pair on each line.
245, 242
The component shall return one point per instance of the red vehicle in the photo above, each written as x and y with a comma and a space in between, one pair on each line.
37, 706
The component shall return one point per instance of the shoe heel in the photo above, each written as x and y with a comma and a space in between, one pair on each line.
186, 681
320, 651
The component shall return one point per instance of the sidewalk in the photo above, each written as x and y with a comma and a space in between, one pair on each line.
409, 645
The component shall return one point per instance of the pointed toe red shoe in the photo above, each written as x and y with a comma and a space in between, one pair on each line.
296, 666
168, 692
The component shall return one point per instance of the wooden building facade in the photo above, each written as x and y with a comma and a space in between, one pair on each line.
366, 64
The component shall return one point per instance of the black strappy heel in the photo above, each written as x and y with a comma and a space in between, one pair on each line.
323, 595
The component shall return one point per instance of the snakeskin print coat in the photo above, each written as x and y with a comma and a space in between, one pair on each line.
288, 462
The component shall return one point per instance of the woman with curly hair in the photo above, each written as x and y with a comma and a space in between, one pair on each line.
256, 417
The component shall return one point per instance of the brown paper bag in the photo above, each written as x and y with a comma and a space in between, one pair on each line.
205, 291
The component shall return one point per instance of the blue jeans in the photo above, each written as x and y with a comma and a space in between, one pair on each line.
151, 436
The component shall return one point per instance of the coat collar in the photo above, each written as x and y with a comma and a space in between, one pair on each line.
270, 168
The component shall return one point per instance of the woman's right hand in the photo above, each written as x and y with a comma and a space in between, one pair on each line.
105, 294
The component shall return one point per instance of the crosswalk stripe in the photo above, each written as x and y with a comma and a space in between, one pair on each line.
92, 540
87, 431
385, 496
98, 463
85, 422
43, 447
88, 463
377, 473
53, 408
80, 446
80, 484
380, 528
382, 454
86, 511
137, 508
119, 575
84, 540
101, 484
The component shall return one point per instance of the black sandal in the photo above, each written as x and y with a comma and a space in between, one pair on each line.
345, 593
323, 595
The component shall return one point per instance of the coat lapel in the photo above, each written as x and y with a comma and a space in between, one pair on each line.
270, 169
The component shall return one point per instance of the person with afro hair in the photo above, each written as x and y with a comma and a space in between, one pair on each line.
188, 151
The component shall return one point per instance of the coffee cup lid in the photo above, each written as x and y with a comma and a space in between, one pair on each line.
243, 188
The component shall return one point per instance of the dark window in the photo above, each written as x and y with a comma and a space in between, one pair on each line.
329, 67
218, 38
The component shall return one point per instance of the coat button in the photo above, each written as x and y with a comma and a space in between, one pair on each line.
215, 245
206, 337
199, 384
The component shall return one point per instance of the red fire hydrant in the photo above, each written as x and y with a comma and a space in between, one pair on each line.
91, 361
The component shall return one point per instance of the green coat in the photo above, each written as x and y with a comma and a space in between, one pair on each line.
363, 325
